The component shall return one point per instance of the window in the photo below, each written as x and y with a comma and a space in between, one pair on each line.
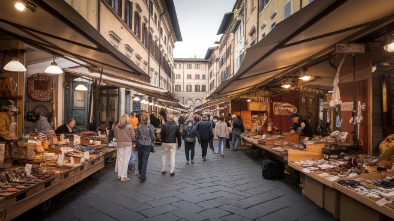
273, 25
128, 14
177, 76
161, 31
189, 66
203, 76
263, 35
188, 88
116, 5
197, 66
145, 35
310, 1
197, 76
203, 88
177, 66
287, 9
197, 88
151, 8
262, 4
188, 76
165, 40
155, 19
273, 14
177, 88
211, 85
137, 24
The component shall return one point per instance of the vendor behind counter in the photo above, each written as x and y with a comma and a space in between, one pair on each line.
300, 126
67, 127
8, 111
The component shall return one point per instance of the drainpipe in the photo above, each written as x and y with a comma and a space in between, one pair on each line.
98, 16
300, 4
258, 26
160, 35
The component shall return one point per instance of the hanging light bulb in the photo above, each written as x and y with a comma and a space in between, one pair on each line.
53, 68
389, 47
151, 103
248, 100
15, 65
286, 84
136, 98
305, 76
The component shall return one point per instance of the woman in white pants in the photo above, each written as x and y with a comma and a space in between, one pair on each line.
124, 135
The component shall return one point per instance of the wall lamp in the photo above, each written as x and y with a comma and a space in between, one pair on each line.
286, 84
305, 75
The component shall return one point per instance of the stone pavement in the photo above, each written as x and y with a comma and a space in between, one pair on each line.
229, 188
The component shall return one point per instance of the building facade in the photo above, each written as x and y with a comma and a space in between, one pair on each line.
191, 81
145, 31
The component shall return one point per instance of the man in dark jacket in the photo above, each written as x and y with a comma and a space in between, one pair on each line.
181, 120
155, 121
170, 136
204, 129
238, 128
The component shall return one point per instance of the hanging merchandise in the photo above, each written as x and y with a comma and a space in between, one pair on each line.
336, 95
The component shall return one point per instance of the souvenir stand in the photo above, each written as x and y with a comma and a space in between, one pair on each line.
37, 166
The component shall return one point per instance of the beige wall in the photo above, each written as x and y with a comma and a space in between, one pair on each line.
192, 98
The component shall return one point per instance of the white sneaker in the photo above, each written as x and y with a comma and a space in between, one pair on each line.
125, 179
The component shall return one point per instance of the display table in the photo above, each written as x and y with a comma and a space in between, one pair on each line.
269, 145
19, 202
341, 201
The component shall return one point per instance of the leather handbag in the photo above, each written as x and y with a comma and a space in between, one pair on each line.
190, 139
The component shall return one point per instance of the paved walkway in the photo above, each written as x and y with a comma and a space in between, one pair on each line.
229, 188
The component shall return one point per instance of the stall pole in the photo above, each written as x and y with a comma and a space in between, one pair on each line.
355, 135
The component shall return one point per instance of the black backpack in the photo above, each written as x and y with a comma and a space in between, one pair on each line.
272, 169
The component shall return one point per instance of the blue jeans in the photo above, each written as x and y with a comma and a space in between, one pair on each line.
221, 143
132, 158
236, 139
143, 156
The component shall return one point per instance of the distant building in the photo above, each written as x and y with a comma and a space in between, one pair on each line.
191, 80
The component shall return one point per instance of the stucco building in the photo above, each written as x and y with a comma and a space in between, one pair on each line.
191, 81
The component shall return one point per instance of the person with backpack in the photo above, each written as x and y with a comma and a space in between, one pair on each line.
189, 135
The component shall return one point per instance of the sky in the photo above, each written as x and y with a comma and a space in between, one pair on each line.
199, 21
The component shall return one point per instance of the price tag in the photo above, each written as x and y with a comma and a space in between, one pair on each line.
86, 155
28, 169
60, 160
82, 161
382, 202
72, 160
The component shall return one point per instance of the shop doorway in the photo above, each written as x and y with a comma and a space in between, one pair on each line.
76, 105
109, 106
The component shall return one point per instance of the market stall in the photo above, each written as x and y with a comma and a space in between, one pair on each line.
342, 186
35, 170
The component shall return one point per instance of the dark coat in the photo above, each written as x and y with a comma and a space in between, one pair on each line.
238, 125
170, 133
189, 132
63, 129
181, 120
204, 129
154, 121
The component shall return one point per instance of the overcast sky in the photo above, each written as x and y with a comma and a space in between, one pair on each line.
199, 21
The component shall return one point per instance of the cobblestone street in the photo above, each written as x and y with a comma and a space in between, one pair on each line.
229, 188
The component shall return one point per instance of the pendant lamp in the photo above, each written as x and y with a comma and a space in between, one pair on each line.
53, 68
81, 87
15, 65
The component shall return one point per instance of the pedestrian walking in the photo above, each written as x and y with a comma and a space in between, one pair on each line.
145, 136
238, 128
189, 135
124, 135
170, 136
221, 131
205, 133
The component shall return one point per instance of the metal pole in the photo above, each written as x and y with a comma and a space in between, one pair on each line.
355, 135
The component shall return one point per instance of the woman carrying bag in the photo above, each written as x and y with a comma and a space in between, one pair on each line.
145, 137
189, 135
221, 131
124, 135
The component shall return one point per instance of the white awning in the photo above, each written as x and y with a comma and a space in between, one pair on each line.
112, 80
